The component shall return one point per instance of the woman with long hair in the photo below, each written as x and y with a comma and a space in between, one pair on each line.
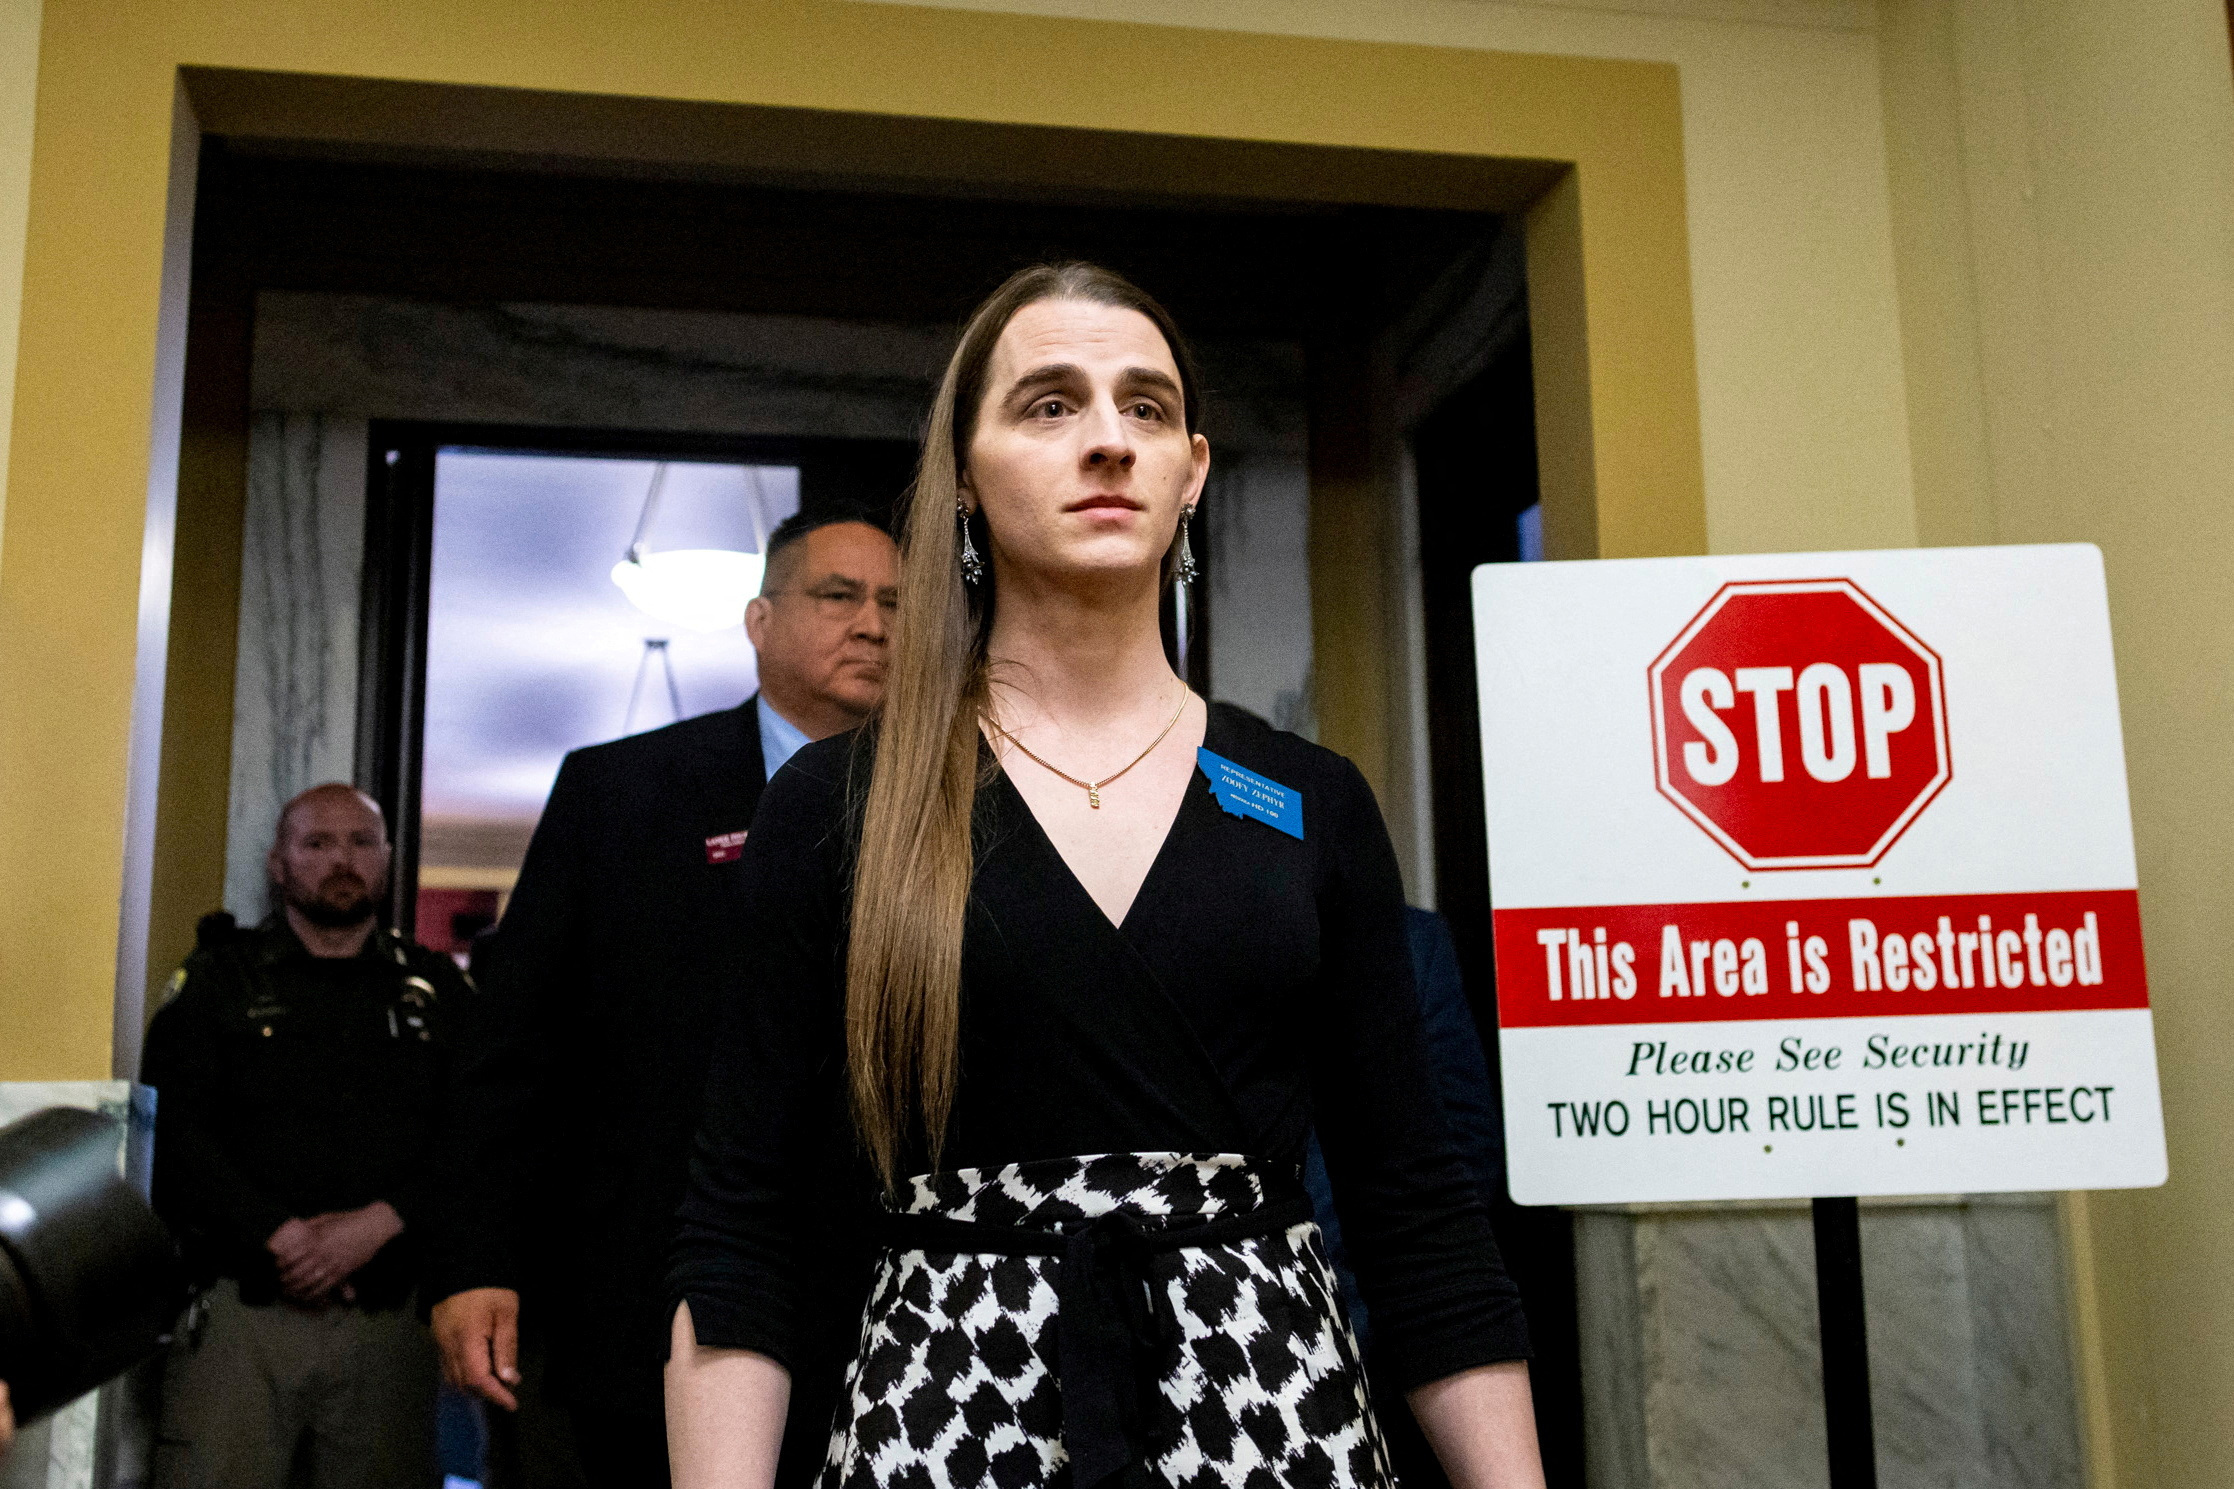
1056, 968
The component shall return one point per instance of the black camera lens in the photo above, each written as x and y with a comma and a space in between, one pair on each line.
90, 1280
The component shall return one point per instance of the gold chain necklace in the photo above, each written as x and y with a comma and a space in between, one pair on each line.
1093, 788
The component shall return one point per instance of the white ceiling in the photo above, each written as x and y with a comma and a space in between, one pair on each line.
531, 649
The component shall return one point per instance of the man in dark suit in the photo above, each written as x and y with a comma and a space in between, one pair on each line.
567, 1142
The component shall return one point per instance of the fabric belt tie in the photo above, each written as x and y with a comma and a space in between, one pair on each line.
1114, 1323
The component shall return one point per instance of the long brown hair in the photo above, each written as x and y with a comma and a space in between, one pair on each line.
911, 882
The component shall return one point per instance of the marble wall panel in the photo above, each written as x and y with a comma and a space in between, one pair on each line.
599, 367
2029, 1431
295, 677
1610, 1319
1258, 510
1732, 1400
1925, 1397
1702, 1364
593, 368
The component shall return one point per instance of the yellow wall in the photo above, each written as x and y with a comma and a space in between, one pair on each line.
19, 76
2065, 219
94, 268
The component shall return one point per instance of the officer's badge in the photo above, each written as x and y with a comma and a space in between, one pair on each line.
417, 997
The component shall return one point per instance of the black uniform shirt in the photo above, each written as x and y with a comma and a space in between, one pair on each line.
289, 1085
1257, 985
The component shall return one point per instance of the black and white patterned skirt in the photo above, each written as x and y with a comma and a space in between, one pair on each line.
1133, 1319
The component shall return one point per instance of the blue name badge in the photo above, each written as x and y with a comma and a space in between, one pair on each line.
1244, 793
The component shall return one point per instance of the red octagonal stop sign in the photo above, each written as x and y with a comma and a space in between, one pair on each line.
1799, 724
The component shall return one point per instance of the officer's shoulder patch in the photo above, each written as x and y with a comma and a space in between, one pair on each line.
205, 967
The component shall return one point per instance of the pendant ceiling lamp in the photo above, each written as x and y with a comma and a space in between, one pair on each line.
699, 589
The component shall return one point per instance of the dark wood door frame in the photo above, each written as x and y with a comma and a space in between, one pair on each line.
1475, 462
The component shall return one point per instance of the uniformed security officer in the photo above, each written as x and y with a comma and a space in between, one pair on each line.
298, 1067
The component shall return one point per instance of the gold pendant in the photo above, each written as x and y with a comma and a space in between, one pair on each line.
1093, 797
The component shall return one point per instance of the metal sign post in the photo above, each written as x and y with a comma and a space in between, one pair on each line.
1849, 1439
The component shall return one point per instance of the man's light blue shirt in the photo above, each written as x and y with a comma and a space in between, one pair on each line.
780, 739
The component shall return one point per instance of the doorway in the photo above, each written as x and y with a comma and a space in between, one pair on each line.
539, 642
508, 620
551, 304
434, 301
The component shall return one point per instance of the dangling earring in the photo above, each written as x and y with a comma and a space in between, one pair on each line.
973, 567
1184, 571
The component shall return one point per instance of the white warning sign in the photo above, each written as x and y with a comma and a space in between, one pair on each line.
1813, 874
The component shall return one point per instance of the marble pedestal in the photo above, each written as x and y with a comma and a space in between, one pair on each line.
101, 1440
1701, 1367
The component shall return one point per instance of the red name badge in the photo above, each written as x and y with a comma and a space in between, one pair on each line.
725, 847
